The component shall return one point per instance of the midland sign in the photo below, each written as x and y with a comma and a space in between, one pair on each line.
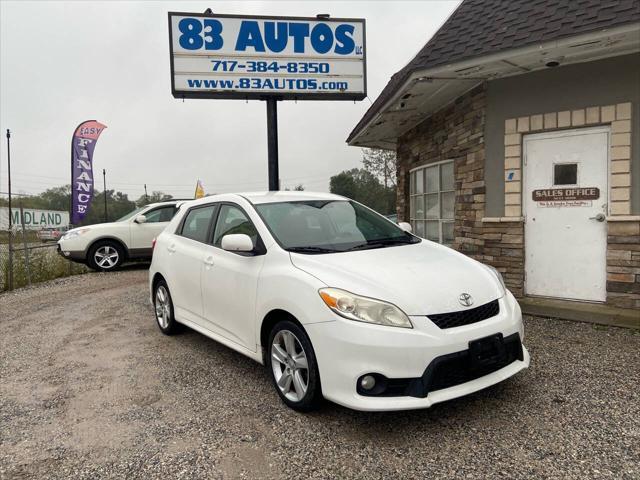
34, 219
251, 57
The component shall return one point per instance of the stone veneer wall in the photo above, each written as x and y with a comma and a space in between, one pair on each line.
623, 263
456, 132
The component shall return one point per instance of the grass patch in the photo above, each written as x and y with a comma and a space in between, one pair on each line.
44, 264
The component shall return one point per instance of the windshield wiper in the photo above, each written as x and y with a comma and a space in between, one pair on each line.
310, 250
383, 242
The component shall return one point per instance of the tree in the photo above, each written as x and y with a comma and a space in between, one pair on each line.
382, 164
297, 188
156, 196
362, 186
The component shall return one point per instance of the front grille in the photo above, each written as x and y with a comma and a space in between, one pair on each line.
466, 317
457, 368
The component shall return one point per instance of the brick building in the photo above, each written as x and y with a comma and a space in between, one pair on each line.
517, 135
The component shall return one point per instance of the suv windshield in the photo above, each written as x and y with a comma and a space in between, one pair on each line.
326, 226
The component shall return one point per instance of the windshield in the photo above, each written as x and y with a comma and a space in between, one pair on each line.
330, 226
129, 215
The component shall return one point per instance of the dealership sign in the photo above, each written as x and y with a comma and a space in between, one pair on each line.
34, 219
250, 57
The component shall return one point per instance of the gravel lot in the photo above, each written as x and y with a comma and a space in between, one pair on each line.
90, 388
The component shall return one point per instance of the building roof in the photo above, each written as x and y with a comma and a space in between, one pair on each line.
482, 27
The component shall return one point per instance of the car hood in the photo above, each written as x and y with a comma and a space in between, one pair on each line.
98, 226
421, 279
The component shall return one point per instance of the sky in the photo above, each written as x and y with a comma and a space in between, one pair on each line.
65, 62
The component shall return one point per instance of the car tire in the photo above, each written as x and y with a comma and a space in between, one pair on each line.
163, 309
105, 256
293, 366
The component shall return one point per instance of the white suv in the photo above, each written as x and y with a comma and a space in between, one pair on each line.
104, 246
338, 301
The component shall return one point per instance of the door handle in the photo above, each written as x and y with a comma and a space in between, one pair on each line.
208, 261
598, 218
171, 248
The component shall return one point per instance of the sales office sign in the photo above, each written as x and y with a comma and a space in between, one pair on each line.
254, 57
566, 197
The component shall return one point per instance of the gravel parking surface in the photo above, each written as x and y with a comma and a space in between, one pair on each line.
89, 388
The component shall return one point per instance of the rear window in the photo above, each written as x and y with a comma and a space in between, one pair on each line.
196, 223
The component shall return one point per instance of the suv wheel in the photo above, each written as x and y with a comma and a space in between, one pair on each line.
294, 369
105, 256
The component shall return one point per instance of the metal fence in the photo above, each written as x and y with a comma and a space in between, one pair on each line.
29, 254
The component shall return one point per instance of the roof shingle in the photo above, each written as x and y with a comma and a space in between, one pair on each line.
482, 27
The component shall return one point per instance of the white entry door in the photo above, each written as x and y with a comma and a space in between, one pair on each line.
565, 206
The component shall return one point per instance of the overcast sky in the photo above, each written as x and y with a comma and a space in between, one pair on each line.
65, 62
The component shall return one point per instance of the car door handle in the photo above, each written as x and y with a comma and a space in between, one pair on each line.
171, 248
208, 262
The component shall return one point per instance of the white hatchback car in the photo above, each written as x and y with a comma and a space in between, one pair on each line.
337, 300
104, 246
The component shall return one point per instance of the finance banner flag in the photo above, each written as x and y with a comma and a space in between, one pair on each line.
83, 144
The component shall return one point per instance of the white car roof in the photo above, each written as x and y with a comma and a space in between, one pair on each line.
258, 198
294, 196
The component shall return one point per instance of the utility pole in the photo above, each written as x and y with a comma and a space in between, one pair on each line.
10, 219
146, 197
104, 183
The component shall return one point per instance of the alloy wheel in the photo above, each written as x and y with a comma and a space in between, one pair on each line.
163, 307
106, 257
290, 365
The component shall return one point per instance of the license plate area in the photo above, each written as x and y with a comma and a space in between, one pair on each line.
487, 351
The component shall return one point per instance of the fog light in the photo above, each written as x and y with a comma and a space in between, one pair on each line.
368, 382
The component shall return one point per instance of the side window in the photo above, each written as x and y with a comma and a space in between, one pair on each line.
233, 220
196, 223
162, 214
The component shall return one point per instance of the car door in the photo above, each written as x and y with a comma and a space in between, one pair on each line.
187, 249
142, 234
230, 279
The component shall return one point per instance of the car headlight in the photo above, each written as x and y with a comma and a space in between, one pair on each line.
499, 275
364, 309
74, 233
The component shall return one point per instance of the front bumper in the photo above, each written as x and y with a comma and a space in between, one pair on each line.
73, 255
347, 350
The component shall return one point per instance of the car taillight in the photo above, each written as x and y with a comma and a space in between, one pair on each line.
153, 244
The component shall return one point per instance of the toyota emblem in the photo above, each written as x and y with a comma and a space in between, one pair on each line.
465, 300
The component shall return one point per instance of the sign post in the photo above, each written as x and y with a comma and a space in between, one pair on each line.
10, 226
267, 58
24, 244
272, 143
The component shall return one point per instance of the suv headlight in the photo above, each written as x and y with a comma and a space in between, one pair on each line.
499, 276
364, 309
74, 233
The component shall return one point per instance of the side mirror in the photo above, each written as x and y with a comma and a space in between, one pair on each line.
405, 226
237, 242
140, 219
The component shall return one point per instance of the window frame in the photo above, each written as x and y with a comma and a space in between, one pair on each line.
413, 195
212, 221
258, 249
159, 207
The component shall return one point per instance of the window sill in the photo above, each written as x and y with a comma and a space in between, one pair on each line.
502, 219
